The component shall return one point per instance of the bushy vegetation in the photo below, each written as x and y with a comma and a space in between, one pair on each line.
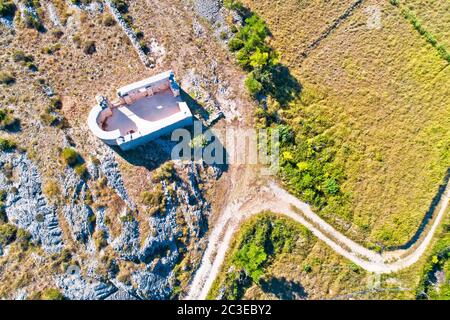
24, 59
7, 78
108, 20
48, 117
31, 19
164, 173
7, 144
121, 5
257, 245
6, 119
7, 8
70, 156
438, 262
48, 294
100, 239
75, 160
154, 199
307, 164
51, 49
307, 150
3, 216
267, 77
83, 2
89, 47
8, 234
51, 189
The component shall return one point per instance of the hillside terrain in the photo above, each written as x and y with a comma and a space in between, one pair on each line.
357, 89
98, 223
383, 94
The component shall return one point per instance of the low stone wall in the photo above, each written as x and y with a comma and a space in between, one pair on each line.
130, 33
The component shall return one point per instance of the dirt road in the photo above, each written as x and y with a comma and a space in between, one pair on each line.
272, 197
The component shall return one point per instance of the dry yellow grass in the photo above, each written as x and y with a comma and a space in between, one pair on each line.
434, 16
387, 93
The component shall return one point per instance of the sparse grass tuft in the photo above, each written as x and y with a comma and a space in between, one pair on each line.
7, 78
7, 144
70, 156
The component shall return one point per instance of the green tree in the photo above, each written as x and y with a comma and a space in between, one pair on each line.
253, 86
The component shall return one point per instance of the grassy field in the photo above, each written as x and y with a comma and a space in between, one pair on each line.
308, 269
430, 12
384, 93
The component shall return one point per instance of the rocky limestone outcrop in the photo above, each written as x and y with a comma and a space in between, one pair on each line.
79, 215
25, 205
76, 287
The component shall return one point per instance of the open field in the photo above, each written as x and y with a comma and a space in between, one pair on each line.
306, 268
385, 92
432, 15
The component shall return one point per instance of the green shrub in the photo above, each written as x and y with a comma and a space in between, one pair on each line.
394, 2
3, 216
51, 189
153, 198
20, 56
6, 120
31, 66
81, 170
51, 49
257, 245
307, 268
121, 5
57, 33
7, 78
235, 44
144, 46
8, 234
7, 8
165, 173
108, 20
55, 103
48, 118
100, 239
139, 34
32, 21
23, 238
70, 156
89, 47
51, 294
7, 145
254, 87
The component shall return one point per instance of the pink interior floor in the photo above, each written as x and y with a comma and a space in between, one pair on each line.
153, 108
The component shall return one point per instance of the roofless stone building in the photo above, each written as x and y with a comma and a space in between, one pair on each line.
144, 111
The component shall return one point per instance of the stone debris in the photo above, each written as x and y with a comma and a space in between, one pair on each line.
77, 287
26, 206
78, 216
110, 169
